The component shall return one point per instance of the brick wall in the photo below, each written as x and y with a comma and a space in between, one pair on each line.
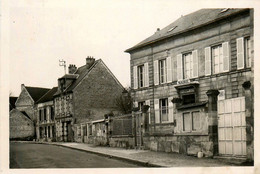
95, 95
20, 126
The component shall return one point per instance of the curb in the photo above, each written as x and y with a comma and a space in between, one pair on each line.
138, 162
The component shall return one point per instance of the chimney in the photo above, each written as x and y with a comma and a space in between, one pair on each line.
89, 62
72, 69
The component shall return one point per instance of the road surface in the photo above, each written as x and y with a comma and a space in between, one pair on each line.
29, 155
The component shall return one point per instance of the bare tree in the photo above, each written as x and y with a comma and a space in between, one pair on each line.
124, 102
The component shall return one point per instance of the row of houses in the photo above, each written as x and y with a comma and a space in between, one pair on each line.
193, 79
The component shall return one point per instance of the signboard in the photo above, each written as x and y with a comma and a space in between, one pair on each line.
184, 81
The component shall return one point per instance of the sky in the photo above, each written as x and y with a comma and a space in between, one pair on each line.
42, 32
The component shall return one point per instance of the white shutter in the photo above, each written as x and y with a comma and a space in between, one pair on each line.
225, 47
195, 63
169, 69
170, 109
207, 61
179, 67
240, 53
135, 104
135, 77
147, 102
156, 111
146, 76
156, 72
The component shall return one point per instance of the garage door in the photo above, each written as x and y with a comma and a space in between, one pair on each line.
232, 127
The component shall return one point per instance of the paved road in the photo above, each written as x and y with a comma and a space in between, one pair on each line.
27, 155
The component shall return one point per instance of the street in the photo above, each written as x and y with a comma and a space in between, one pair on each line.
28, 155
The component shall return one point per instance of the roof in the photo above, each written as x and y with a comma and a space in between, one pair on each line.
36, 93
69, 76
48, 96
12, 101
186, 23
81, 73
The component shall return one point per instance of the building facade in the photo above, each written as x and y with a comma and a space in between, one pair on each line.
85, 94
197, 76
45, 125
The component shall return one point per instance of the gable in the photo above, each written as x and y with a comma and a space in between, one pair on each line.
24, 99
18, 119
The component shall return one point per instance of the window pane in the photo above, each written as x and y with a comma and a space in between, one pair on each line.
187, 65
195, 121
141, 76
186, 122
162, 67
164, 109
217, 59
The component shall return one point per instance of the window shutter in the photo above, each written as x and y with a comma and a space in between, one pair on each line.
147, 102
146, 76
169, 69
156, 111
207, 61
170, 109
156, 72
135, 77
195, 63
225, 57
135, 104
240, 53
179, 67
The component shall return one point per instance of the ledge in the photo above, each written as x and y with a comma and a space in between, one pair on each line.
198, 104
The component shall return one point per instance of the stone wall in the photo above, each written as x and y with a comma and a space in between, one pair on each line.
123, 142
21, 127
189, 145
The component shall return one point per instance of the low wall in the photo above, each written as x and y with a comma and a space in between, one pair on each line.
122, 141
190, 145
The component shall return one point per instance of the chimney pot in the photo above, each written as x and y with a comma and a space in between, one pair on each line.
72, 69
89, 61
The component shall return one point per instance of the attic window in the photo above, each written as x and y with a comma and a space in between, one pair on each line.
172, 28
224, 10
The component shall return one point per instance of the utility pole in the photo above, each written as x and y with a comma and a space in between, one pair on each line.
63, 63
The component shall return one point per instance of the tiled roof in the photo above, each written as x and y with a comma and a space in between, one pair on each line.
186, 23
12, 101
48, 96
81, 72
36, 93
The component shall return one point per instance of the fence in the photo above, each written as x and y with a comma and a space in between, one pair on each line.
121, 125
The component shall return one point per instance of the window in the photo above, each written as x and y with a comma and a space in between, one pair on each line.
162, 71
44, 114
248, 55
140, 105
40, 115
52, 114
140, 76
217, 59
164, 109
191, 121
188, 65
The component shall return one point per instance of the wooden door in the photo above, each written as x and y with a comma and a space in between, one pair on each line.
232, 127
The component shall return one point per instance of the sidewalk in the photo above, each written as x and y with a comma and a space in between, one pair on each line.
150, 158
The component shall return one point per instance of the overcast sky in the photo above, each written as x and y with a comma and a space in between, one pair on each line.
44, 31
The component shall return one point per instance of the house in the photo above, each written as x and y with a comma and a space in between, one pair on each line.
21, 126
27, 98
85, 94
197, 76
45, 125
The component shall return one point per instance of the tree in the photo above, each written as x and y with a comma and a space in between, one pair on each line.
124, 102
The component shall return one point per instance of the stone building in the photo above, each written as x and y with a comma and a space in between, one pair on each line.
21, 126
197, 75
27, 99
45, 125
87, 93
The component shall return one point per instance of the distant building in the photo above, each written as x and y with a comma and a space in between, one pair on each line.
45, 125
87, 93
197, 75
21, 126
27, 99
